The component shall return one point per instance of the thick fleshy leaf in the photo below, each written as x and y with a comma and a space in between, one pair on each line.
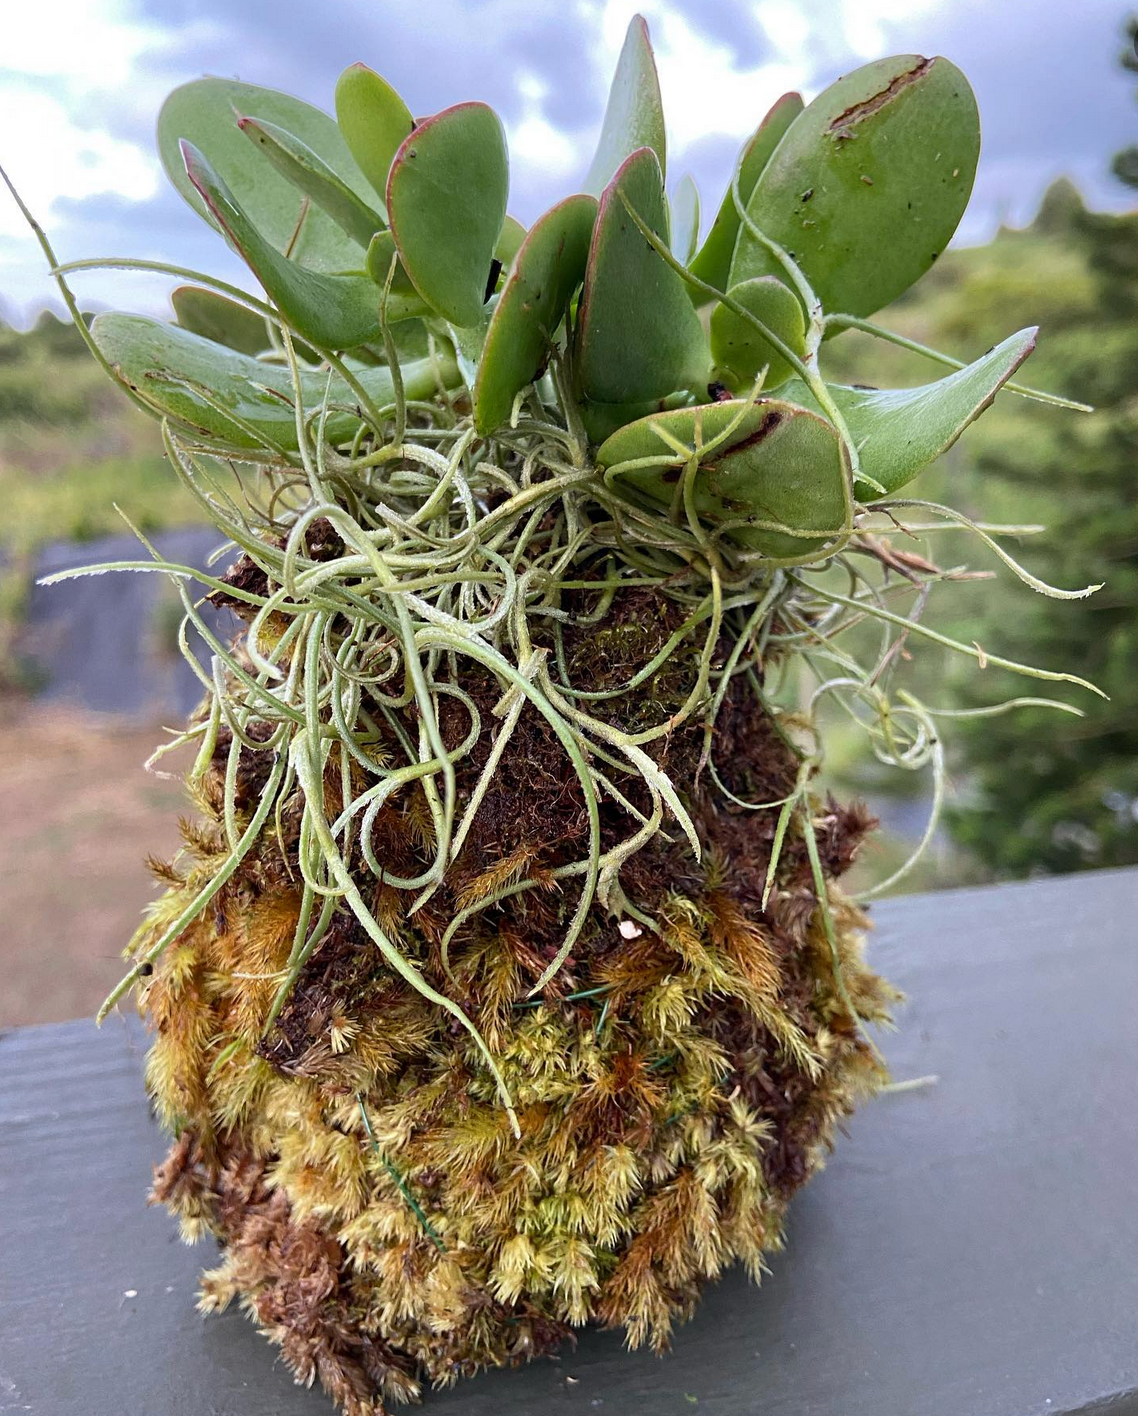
510, 239
311, 175
634, 117
601, 420
173, 370
380, 251
868, 184
468, 341
216, 317
685, 218
205, 113
332, 311
713, 259
737, 346
374, 121
638, 335
781, 466
446, 201
547, 269
898, 431
412, 340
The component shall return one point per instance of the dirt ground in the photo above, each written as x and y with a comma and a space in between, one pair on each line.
78, 816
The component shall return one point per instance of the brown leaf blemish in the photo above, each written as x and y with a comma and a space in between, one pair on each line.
842, 127
770, 422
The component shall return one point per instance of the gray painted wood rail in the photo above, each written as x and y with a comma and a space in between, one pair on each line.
972, 1247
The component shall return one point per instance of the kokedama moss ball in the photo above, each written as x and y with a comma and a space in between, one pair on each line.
673, 1086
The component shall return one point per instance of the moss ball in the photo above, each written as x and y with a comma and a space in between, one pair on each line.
675, 1081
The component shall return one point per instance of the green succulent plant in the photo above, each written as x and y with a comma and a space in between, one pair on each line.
505, 983
372, 234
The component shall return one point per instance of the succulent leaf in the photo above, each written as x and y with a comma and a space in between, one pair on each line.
737, 346
712, 262
868, 183
205, 113
634, 116
172, 368
638, 336
374, 121
601, 420
510, 240
468, 342
310, 174
898, 431
548, 268
331, 311
782, 465
381, 249
220, 319
446, 201
413, 340
685, 218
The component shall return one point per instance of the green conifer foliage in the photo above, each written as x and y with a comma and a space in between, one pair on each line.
1048, 792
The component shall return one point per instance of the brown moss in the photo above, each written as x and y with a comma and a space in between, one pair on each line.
377, 1216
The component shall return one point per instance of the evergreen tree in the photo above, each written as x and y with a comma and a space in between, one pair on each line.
1125, 163
1053, 792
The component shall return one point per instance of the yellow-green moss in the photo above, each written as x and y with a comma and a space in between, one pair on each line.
379, 1219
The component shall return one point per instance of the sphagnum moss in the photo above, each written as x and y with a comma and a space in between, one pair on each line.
504, 982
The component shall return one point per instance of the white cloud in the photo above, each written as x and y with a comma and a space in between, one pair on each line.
57, 157
90, 43
66, 66
865, 23
538, 150
786, 26
540, 153
704, 91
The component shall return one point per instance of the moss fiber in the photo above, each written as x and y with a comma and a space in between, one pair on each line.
674, 1083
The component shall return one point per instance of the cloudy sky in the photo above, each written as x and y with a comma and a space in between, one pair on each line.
82, 80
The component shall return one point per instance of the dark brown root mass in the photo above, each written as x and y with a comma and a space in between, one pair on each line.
674, 1084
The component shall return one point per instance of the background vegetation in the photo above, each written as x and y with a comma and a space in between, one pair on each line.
1038, 791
